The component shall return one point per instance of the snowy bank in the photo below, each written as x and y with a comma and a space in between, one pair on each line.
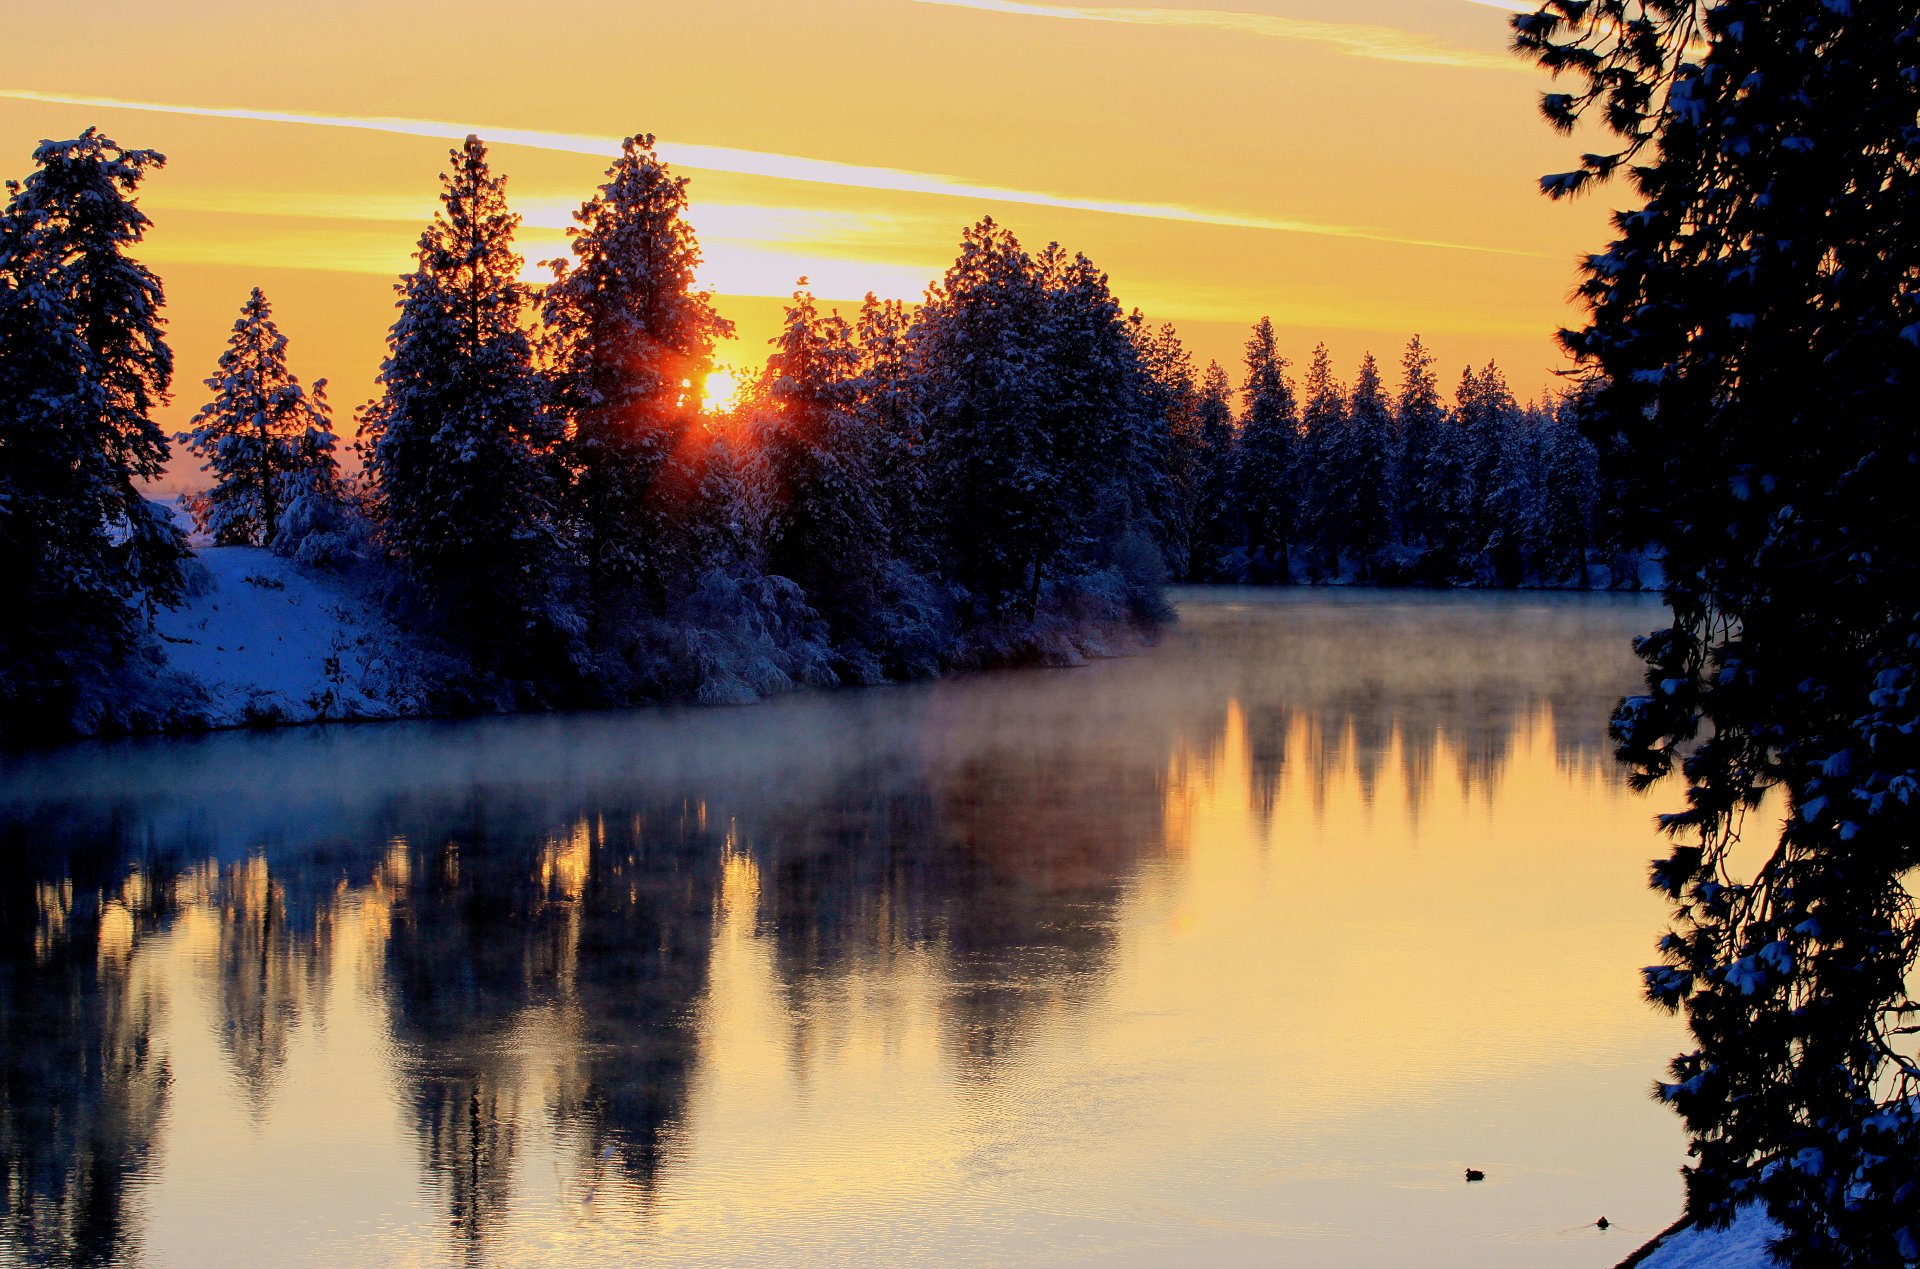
1742, 1245
265, 640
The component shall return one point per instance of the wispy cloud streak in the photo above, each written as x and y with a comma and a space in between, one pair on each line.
1381, 43
786, 167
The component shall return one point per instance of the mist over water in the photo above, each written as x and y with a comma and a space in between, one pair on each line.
1239, 950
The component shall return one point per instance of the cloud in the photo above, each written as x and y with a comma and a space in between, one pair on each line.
786, 167
1382, 43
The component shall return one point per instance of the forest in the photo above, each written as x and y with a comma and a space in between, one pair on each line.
1009, 470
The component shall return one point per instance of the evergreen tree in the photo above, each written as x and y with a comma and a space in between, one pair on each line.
1172, 396
265, 439
458, 448
826, 531
83, 363
1426, 476
1753, 337
979, 369
1326, 480
1562, 528
1265, 471
1491, 474
1369, 453
631, 341
884, 400
1216, 522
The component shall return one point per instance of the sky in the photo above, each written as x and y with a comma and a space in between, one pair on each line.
1359, 170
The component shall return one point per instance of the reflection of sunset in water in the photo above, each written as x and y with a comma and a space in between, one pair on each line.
1240, 950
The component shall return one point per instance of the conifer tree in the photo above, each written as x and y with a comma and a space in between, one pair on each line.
884, 400
980, 368
630, 339
458, 448
1367, 460
1425, 463
826, 531
1265, 471
1753, 345
1173, 396
83, 364
266, 440
1216, 522
1326, 475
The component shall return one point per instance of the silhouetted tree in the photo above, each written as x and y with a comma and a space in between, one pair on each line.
630, 338
83, 363
458, 448
1753, 337
266, 440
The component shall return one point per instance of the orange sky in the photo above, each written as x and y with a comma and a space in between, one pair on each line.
1358, 169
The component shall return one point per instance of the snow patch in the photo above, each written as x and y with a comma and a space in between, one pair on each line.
270, 641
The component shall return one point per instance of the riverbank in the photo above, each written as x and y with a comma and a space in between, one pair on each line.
261, 641
1742, 1245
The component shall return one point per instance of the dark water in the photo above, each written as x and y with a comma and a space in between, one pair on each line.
1239, 951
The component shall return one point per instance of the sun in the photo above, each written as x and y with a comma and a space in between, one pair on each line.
722, 390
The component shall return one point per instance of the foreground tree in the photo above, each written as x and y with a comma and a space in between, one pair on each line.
1754, 346
266, 440
83, 364
457, 448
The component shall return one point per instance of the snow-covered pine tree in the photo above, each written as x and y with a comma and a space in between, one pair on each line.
884, 401
1567, 493
1368, 459
1216, 521
83, 363
1265, 470
1423, 447
459, 446
265, 439
1326, 481
979, 369
826, 530
1493, 475
630, 338
1753, 341
1173, 396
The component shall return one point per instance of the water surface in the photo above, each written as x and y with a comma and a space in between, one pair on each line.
1238, 951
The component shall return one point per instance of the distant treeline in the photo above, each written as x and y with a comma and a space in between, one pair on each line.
1010, 469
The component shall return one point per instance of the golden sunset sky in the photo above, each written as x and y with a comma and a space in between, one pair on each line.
1360, 170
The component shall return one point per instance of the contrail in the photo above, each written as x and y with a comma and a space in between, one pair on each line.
1381, 43
786, 167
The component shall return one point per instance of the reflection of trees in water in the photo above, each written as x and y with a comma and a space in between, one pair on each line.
270, 967
1006, 859
82, 1091
549, 934
583, 945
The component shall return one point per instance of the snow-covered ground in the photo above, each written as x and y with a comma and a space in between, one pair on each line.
1742, 1245
269, 640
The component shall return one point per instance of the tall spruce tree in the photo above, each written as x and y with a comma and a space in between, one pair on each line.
266, 440
83, 363
1216, 520
1426, 478
1173, 396
980, 367
630, 339
826, 529
1266, 467
459, 446
1368, 461
1753, 342
1326, 480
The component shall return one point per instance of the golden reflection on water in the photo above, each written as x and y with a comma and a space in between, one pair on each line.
1236, 952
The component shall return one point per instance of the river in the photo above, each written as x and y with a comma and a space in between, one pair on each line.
1240, 950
